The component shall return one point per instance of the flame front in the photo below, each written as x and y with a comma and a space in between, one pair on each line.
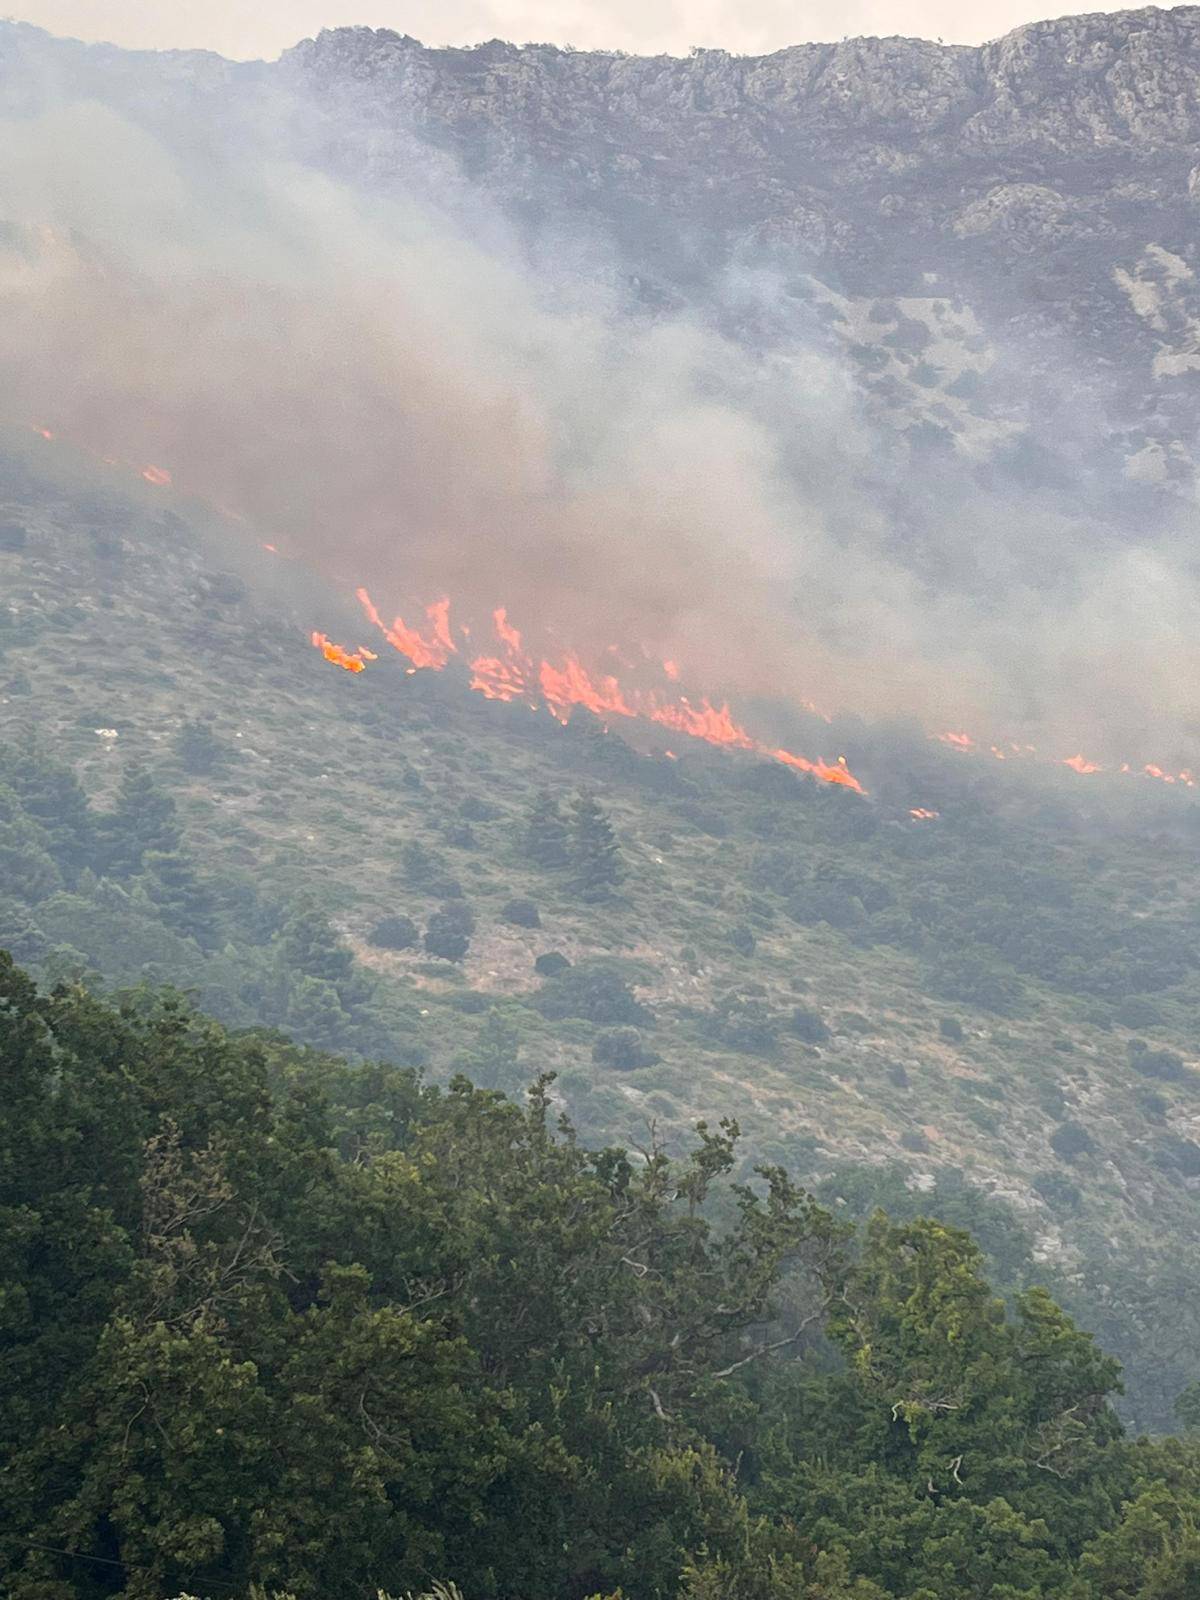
509, 672
351, 660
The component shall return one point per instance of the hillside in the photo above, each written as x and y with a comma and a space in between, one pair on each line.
990, 1013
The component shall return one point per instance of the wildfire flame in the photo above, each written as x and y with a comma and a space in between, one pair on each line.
351, 660
922, 815
509, 672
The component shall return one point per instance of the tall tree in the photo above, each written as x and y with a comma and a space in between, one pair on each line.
180, 894
143, 819
545, 839
53, 797
596, 864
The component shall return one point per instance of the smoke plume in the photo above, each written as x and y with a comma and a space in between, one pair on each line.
401, 394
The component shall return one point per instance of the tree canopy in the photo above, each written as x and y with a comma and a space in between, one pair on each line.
273, 1320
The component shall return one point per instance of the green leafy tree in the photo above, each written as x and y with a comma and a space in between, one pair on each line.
448, 931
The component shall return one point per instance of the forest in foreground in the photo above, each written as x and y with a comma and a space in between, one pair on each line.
275, 1324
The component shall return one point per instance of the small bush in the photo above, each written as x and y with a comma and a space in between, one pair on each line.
13, 537
394, 933
951, 1028
1137, 1012
475, 810
742, 940
807, 1024
898, 1074
622, 1048
1071, 1139
1162, 1064
1150, 1103
745, 1023
913, 1139
1179, 1155
1058, 1191
521, 913
551, 964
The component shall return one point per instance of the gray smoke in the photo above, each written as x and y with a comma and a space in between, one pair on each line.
392, 393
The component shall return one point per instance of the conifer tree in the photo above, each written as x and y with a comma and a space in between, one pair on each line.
198, 748
546, 840
142, 820
26, 869
595, 859
308, 945
53, 797
182, 898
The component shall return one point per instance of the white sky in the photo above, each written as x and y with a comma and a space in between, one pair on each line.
249, 28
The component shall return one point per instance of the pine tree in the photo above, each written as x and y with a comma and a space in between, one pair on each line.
183, 899
308, 945
198, 749
53, 797
26, 868
546, 841
142, 820
493, 1061
595, 858
448, 932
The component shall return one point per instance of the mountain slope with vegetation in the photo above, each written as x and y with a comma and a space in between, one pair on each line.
989, 1014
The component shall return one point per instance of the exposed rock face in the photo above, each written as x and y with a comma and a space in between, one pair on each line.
1040, 181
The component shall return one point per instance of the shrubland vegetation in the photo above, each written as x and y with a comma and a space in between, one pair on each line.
989, 1017
273, 1321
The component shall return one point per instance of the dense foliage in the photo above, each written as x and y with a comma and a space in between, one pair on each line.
269, 1319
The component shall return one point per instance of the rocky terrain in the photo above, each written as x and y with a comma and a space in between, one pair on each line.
1001, 240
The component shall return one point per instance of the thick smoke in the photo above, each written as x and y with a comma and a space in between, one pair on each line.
388, 392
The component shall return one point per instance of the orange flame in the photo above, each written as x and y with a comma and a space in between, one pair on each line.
922, 815
510, 673
1082, 765
351, 660
158, 476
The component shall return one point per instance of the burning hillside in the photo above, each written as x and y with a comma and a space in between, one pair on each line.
507, 670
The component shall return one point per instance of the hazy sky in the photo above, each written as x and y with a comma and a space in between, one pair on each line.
247, 28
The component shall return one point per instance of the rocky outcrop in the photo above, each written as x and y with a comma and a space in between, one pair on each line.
1026, 179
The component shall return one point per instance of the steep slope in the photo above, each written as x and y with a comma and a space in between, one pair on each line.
1006, 992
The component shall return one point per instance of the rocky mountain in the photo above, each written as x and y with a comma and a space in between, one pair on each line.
986, 232
1002, 240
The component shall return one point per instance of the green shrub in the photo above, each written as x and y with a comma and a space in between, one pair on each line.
1071, 1139
394, 933
623, 1049
521, 913
808, 1025
594, 992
